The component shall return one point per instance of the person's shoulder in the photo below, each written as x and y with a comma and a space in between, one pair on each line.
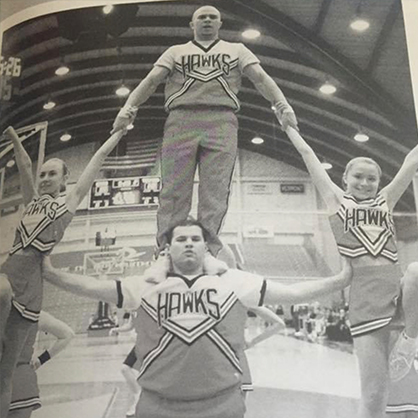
136, 278
231, 44
179, 47
138, 282
61, 198
235, 274
231, 273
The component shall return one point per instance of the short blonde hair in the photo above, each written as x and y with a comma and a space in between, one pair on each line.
65, 170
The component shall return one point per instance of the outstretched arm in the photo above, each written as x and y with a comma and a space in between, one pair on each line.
90, 173
329, 191
271, 91
63, 333
396, 188
24, 164
308, 290
138, 96
268, 316
103, 290
276, 322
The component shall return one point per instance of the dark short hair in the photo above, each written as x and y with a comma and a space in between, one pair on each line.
189, 221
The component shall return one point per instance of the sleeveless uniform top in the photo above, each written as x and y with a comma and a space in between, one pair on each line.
190, 333
205, 76
364, 228
43, 224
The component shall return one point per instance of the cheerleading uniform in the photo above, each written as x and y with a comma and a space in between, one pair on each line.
366, 229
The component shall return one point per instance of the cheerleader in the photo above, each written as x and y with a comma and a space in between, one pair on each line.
48, 212
362, 223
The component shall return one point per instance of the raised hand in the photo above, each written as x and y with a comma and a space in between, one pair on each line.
124, 118
285, 115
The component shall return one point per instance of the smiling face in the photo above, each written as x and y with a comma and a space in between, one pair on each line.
52, 178
206, 22
362, 179
187, 250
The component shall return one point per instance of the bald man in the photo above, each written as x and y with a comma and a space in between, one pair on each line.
202, 79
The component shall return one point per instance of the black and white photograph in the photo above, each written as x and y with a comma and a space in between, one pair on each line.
209, 209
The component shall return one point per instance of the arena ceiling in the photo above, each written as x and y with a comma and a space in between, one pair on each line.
303, 45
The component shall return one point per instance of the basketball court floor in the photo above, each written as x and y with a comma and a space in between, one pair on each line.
292, 378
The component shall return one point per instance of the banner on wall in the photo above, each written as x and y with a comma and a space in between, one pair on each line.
295, 188
259, 188
257, 231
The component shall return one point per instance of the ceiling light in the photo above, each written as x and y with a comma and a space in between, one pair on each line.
10, 163
361, 137
107, 9
257, 140
359, 25
65, 137
328, 88
49, 105
251, 34
130, 127
326, 165
62, 70
122, 91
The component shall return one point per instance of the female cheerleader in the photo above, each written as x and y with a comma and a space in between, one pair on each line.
361, 220
48, 212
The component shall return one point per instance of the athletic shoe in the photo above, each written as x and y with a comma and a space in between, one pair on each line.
213, 266
131, 411
402, 357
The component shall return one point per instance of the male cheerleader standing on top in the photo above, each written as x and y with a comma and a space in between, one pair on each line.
361, 220
48, 212
202, 79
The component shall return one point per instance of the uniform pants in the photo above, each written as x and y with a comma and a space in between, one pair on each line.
203, 138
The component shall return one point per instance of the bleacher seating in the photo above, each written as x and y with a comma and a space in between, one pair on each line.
281, 261
74, 310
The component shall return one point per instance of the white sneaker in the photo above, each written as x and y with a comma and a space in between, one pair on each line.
157, 273
212, 266
402, 357
131, 411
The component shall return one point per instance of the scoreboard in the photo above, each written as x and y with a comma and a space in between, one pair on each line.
10, 72
125, 192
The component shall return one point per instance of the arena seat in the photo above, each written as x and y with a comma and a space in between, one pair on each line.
74, 310
272, 260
